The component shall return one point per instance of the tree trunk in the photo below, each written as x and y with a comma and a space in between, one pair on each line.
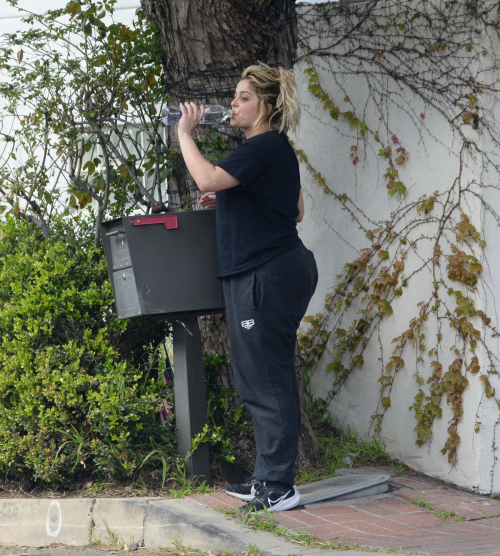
206, 44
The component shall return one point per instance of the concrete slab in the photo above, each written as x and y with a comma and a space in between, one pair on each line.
344, 487
119, 520
41, 522
185, 521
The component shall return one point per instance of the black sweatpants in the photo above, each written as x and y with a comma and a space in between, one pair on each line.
264, 309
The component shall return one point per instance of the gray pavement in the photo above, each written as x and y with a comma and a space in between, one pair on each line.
145, 522
61, 551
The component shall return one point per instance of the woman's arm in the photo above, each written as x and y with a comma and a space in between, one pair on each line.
208, 178
301, 207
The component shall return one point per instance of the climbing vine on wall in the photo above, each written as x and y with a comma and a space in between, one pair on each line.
436, 53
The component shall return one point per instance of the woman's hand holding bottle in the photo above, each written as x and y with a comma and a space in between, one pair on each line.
191, 116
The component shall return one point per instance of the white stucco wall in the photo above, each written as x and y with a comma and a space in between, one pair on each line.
335, 238
489, 415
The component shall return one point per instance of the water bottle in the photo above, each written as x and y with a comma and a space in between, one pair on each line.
214, 114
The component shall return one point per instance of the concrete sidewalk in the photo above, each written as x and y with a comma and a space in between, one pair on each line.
150, 523
392, 521
387, 521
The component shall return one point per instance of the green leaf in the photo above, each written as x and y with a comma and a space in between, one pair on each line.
398, 188
384, 307
73, 8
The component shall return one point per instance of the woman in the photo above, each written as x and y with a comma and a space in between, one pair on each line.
268, 276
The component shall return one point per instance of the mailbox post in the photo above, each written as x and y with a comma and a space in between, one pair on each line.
190, 399
165, 266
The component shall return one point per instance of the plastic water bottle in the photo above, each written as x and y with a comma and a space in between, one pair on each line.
214, 114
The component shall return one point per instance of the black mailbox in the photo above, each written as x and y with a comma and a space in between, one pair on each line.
164, 265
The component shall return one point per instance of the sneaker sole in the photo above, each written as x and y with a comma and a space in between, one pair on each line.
287, 504
244, 497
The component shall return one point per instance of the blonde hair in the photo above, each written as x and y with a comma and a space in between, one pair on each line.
275, 87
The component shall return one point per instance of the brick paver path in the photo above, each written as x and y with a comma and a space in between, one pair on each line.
394, 522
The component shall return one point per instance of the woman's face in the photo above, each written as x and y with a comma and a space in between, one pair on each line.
245, 107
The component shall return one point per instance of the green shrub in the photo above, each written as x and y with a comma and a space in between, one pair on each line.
79, 389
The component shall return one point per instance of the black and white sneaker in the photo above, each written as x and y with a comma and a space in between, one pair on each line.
244, 491
273, 498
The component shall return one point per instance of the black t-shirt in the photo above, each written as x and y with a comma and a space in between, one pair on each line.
256, 219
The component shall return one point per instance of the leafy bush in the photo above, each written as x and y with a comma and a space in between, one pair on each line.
78, 387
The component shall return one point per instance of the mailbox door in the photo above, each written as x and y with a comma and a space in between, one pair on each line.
175, 269
120, 269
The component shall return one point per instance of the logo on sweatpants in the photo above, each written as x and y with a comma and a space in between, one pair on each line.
247, 323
